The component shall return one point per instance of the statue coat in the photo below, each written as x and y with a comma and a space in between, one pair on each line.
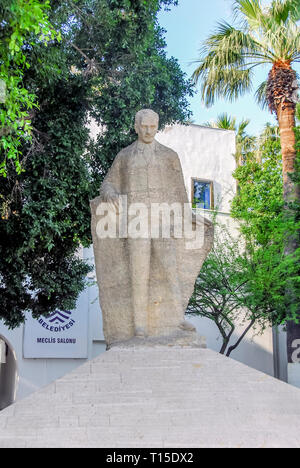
147, 174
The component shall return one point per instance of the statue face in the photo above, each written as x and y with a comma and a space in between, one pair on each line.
146, 128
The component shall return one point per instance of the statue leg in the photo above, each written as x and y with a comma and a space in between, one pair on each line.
165, 252
139, 261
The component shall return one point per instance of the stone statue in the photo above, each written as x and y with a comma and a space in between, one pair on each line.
146, 270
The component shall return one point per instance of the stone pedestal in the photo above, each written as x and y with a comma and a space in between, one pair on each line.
178, 338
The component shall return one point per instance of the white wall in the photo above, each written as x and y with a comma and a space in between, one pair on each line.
207, 153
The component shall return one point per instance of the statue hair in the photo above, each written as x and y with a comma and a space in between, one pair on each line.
142, 112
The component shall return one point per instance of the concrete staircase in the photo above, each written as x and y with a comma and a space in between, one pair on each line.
157, 397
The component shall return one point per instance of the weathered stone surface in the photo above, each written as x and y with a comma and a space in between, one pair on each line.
157, 396
145, 283
179, 337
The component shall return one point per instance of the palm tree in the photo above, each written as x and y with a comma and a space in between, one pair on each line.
245, 144
230, 55
228, 60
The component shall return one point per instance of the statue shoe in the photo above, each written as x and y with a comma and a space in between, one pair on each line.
140, 332
187, 326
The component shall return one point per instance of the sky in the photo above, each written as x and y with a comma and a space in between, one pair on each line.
187, 26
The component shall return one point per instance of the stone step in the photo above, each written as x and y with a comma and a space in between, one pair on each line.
157, 397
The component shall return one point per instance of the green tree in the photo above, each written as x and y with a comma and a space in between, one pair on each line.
109, 63
241, 285
259, 207
133, 73
23, 24
45, 208
264, 35
259, 203
245, 278
220, 290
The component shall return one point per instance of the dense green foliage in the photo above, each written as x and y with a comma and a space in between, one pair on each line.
245, 278
44, 208
132, 73
266, 224
109, 63
24, 23
259, 201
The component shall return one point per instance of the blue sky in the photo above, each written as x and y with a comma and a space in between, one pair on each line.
187, 26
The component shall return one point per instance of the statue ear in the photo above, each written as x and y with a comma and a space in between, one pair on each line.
136, 127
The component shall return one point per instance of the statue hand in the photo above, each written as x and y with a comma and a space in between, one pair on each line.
113, 201
109, 195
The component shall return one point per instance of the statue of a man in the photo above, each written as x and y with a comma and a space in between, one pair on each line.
146, 277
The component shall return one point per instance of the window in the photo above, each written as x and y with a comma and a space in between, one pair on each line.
202, 194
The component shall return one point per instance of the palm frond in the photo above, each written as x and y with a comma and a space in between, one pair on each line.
249, 8
229, 46
225, 69
209, 124
226, 122
290, 9
245, 143
280, 11
229, 55
261, 95
229, 83
232, 43
242, 126
269, 132
250, 14
295, 8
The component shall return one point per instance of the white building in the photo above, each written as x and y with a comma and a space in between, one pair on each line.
41, 351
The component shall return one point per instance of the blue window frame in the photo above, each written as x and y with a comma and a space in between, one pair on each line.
202, 194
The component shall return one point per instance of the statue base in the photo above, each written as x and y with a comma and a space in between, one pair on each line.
179, 338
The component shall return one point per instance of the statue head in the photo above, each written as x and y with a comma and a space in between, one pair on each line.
146, 125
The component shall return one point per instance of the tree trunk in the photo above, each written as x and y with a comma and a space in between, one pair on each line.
232, 348
224, 346
286, 120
